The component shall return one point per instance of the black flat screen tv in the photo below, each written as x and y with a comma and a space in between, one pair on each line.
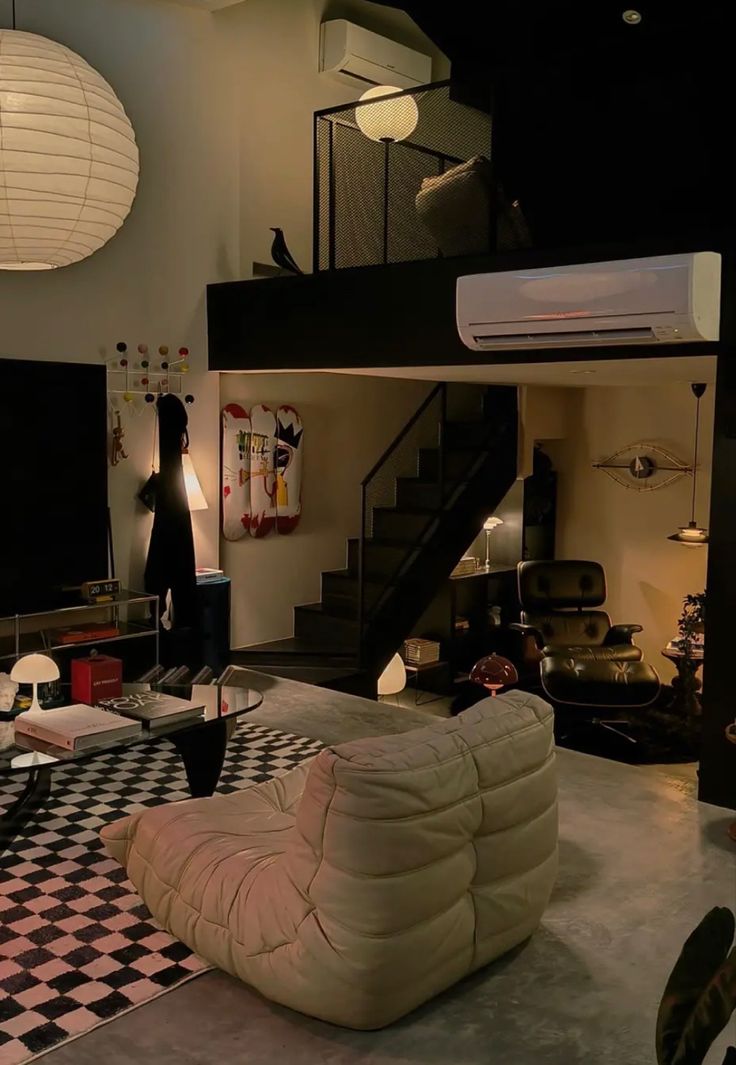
53, 482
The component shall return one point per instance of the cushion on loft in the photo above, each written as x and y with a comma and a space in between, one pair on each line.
467, 212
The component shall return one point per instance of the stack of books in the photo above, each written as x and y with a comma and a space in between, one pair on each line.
206, 575
462, 624
419, 652
468, 564
153, 708
73, 727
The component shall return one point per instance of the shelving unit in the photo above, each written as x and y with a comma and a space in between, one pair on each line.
22, 634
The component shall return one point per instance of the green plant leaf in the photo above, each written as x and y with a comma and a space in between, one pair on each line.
700, 995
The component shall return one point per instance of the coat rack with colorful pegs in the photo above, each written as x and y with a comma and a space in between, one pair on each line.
147, 375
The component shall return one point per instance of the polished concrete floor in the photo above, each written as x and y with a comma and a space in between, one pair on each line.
640, 863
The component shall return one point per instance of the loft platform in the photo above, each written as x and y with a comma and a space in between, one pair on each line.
403, 314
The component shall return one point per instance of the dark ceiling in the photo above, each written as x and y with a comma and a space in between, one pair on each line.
604, 130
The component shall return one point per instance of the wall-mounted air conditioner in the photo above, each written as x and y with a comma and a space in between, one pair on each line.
362, 58
666, 299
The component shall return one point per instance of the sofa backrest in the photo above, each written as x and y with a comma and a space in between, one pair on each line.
453, 825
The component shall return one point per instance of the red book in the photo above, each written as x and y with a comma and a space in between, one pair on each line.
93, 630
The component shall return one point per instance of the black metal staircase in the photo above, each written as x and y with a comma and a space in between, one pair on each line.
423, 503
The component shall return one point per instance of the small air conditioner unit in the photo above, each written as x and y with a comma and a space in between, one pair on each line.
666, 299
362, 58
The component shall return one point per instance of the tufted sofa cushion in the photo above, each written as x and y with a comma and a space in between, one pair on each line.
361, 884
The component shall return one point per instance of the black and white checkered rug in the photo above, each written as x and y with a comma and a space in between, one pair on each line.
77, 946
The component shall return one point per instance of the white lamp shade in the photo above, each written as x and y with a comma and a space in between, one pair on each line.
34, 669
491, 523
387, 120
193, 488
393, 679
68, 156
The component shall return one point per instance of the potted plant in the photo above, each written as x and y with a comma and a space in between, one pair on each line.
686, 684
700, 996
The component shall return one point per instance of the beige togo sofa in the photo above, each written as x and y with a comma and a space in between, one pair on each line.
362, 883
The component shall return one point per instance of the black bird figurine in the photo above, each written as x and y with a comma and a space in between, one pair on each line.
281, 254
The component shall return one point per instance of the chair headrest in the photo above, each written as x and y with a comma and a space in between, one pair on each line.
561, 584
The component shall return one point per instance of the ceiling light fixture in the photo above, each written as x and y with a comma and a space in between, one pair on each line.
692, 534
68, 156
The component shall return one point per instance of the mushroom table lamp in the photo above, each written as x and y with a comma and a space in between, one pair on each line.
494, 672
35, 669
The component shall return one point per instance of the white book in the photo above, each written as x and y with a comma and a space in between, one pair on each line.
74, 727
152, 707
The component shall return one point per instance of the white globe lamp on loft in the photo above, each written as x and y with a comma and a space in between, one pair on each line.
68, 156
382, 115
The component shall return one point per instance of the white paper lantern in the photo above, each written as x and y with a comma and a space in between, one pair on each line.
387, 119
68, 157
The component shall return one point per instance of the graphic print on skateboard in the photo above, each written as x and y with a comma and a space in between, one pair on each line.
289, 458
235, 471
262, 470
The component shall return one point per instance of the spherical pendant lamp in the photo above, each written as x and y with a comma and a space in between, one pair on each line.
68, 156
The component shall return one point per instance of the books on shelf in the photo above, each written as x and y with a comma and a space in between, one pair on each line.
468, 564
420, 652
155, 709
89, 631
74, 727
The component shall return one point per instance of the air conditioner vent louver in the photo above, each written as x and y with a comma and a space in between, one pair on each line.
583, 336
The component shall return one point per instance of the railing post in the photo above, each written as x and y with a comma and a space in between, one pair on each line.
443, 422
361, 575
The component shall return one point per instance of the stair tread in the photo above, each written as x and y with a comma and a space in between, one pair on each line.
290, 647
349, 575
319, 608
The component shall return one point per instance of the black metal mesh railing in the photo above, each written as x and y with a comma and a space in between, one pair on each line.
371, 159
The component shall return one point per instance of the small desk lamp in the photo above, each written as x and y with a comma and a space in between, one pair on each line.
35, 670
489, 525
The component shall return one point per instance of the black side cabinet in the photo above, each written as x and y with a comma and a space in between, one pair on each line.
214, 601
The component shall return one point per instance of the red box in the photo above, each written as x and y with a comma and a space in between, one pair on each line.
96, 677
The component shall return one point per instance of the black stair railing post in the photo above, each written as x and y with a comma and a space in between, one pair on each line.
361, 576
442, 434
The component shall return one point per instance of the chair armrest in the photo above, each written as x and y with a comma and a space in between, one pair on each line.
621, 634
528, 630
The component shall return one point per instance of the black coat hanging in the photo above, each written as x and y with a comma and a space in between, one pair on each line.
170, 566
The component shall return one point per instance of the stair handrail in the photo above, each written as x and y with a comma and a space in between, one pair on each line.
441, 387
440, 390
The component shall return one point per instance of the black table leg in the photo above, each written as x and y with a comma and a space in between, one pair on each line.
202, 750
29, 802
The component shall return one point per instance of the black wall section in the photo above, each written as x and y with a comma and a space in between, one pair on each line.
718, 758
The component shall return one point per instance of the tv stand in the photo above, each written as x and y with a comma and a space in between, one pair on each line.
132, 613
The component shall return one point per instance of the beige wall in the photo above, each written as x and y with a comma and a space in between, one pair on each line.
169, 65
277, 45
348, 422
627, 530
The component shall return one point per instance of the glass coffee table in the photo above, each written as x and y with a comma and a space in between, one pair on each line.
201, 743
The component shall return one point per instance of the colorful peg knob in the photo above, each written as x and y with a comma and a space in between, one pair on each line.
121, 346
189, 398
149, 397
164, 365
123, 362
184, 368
165, 385
163, 350
183, 351
143, 348
128, 397
144, 364
144, 380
